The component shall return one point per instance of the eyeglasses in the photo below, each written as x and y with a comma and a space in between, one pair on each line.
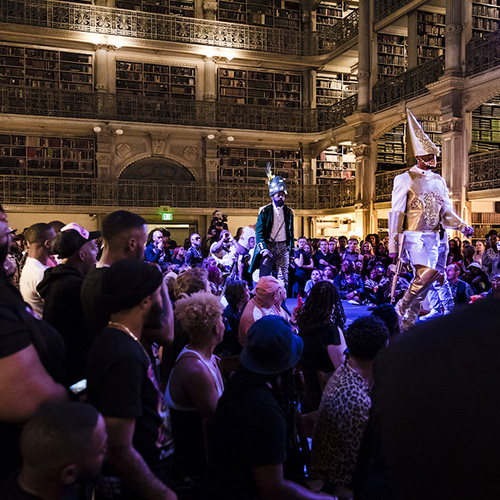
197, 238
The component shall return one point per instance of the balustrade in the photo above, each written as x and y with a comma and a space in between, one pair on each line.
122, 22
484, 171
483, 53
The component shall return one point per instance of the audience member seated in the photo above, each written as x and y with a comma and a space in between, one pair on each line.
193, 256
383, 295
345, 407
63, 447
480, 248
156, 250
387, 313
352, 254
316, 277
39, 237
123, 385
322, 257
178, 256
372, 283
476, 278
333, 251
329, 273
368, 255
454, 252
269, 294
60, 289
373, 239
468, 252
303, 265
31, 362
254, 423
247, 241
461, 291
381, 257
342, 240
195, 383
226, 251
215, 279
491, 257
349, 284
320, 321
237, 296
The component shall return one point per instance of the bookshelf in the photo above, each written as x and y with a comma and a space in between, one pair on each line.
331, 88
51, 156
430, 35
184, 8
42, 68
271, 13
485, 17
392, 149
160, 80
329, 13
334, 164
486, 127
391, 55
248, 165
264, 88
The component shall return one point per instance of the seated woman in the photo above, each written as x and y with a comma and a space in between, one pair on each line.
254, 422
320, 321
316, 277
195, 383
368, 255
178, 256
349, 284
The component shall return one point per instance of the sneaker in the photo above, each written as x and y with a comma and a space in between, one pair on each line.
432, 315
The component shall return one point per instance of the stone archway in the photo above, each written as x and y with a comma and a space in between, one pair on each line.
156, 169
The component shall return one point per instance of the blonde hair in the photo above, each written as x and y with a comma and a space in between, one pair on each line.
191, 281
198, 314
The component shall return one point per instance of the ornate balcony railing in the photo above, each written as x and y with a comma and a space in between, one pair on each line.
483, 54
103, 106
407, 85
20, 190
108, 21
385, 7
484, 171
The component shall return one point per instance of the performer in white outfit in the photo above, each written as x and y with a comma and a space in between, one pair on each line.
420, 204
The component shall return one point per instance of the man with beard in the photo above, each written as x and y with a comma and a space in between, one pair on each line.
274, 233
123, 385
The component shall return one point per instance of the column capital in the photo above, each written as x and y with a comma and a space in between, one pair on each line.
210, 6
362, 150
452, 125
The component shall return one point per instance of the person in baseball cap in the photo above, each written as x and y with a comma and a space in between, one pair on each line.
71, 238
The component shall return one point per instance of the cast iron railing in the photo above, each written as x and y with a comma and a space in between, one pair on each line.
483, 54
20, 190
385, 7
132, 108
484, 171
129, 23
407, 85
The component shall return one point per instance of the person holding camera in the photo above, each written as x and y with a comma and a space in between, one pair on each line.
218, 223
226, 250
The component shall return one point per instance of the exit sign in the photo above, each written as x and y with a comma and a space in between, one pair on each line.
167, 216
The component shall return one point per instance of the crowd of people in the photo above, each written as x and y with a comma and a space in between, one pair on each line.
169, 371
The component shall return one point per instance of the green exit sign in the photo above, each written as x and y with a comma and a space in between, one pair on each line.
167, 216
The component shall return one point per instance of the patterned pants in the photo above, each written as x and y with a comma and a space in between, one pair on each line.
278, 264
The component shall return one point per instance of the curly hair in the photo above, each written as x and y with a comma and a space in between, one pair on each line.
322, 306
191, 281
366, 336
199, 314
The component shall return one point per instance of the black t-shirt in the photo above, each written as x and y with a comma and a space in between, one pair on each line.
122, 384
321, 256
250, 433
20, 329
314, 355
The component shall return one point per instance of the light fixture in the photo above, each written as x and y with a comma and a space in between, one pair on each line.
210, 137
97, 129
119, 131
230, 138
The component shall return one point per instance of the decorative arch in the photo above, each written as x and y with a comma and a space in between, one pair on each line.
156, 168
398, 120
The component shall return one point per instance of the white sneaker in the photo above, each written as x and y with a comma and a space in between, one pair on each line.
432, 315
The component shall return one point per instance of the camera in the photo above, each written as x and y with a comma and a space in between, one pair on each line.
224, 218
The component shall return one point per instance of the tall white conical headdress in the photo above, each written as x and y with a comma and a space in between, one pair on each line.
422, 144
